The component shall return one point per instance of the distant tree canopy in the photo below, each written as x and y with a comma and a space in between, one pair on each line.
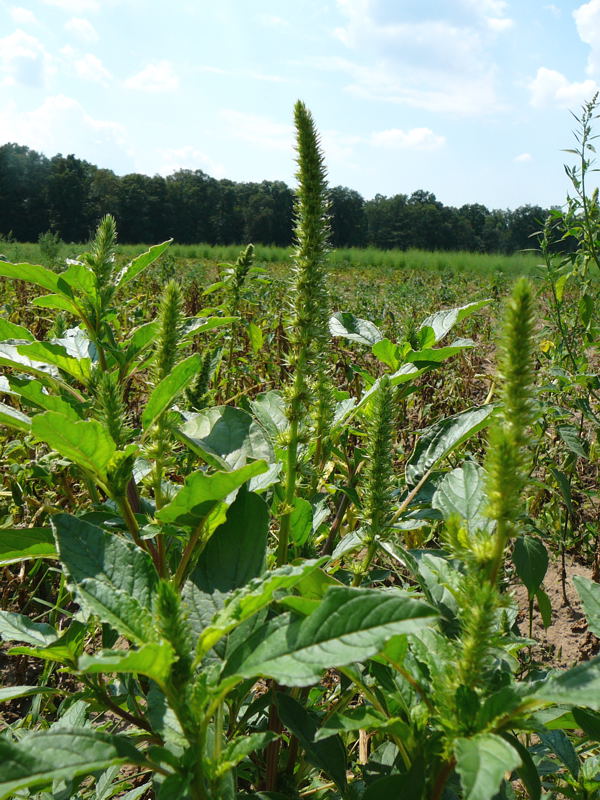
68, 196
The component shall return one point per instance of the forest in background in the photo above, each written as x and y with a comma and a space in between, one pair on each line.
68, 196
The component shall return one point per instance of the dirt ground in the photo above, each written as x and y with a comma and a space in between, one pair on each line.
567, 640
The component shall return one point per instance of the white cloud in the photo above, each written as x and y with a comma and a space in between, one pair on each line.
61, 124
23, 60
258, 130
414, 139
550, 88
271, 21
188, 157
74, 6
523, 158
438, 63
22, 16
90, 68
160, 76
499, 24
82, 29
587, 20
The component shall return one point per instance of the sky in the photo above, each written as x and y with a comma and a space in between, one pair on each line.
468, 99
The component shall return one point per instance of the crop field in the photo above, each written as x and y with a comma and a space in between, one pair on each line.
297, 523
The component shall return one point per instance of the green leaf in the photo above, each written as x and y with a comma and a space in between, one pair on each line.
40, 758
269, 410
111, 577
346, 325
440, 439
11, 357
530, 558
442, 321
578, 686
237, 749
545, 607
328, 755
153, 660
169, 388
226, 437
20, 544
36, 274
589, 594
439, 354
255, 336
570, 436
462, 492
236, 551
349, 625
56, 301
9, 330
57, 355
201, 493
589, 722
527, 772
559, 743
129, 272
19, 628
389, 352
481, 762
14, 419
251, 598
64, 650
86, 442
355, 719
14, 692
34, 392
301, 521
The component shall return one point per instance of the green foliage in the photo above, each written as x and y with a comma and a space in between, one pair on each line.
173, 472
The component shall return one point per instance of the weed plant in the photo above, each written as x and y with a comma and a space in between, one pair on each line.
263, 545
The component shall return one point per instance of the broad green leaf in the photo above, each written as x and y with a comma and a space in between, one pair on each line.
390, 353
78, 344
14, 419
530, 558
64, 650
57, 301
129, 272
241, 747
34, 392
195, 325
251, 598
153, 660
87, 443
20, 544
11, 357
354, 719
9, 330
201, 493
36, 274
14, 692
346, 325
570, 436
589, 594
481, 762
169, 388
545, 607
559, 743
301, 521
110, 576
56, 355
578, 686
328, 755
439, 354
255, 336
19, 628
236, 551
440, 439
462, 492
589, 722
442, 321
80, 277
226, 437
527, 772
270, 410
349, 625
45, 756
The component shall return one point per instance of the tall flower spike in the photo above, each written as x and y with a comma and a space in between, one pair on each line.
508, 457
170, 317
309, 328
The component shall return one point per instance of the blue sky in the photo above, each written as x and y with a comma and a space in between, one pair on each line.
468, 99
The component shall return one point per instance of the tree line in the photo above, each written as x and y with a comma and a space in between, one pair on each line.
68, 196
